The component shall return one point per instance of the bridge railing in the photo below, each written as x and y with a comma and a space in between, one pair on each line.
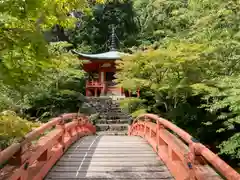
184, 156
33, 157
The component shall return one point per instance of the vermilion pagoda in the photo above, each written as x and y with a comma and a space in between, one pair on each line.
101, 70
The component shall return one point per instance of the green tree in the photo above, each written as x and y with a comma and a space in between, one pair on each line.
192, 69
27, 62
95, 27
29, 65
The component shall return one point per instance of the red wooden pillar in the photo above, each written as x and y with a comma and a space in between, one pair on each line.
87, 92
102, 78
95, 92
104, 89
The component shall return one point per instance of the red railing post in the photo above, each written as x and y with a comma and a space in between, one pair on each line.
190, 162
77, 126
157, 135
145, 127
61, 126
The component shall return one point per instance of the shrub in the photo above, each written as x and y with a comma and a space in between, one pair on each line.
13, 128
135, 106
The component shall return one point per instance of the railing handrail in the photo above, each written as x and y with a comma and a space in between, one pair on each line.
180, 132
95, 83
7, 153
198, 148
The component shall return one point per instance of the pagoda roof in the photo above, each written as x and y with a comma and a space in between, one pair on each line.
111, 55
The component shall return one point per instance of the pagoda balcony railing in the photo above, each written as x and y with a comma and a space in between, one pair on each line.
94, 84
100, 84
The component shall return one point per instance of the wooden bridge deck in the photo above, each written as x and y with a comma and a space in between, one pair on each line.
110, 157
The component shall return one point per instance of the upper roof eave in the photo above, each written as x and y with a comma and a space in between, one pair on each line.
111, 55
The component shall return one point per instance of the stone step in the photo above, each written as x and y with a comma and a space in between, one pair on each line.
112, 127
112, 121
113, 133
104, 105
107, 109
115, 109
114, 114
101, 104
113, 117
111, 111
109, 116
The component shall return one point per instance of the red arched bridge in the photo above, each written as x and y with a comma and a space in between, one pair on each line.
67, 148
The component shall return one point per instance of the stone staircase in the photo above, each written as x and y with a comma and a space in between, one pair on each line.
111, 120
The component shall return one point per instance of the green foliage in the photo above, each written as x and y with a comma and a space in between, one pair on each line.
13, 128
223, 99
53, 103
93, 118
185, 61
28, 64
138, 112
64, 67
65, 88
134, 106
24, 52
30, 67
189, 69
231, 146
95, 28
167, 72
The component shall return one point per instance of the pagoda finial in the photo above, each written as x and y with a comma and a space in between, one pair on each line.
113, 40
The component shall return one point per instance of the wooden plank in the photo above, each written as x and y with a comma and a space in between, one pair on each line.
107, 178
116, 175
96, 158
108, 163
110, 157
111, 168
109, 151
